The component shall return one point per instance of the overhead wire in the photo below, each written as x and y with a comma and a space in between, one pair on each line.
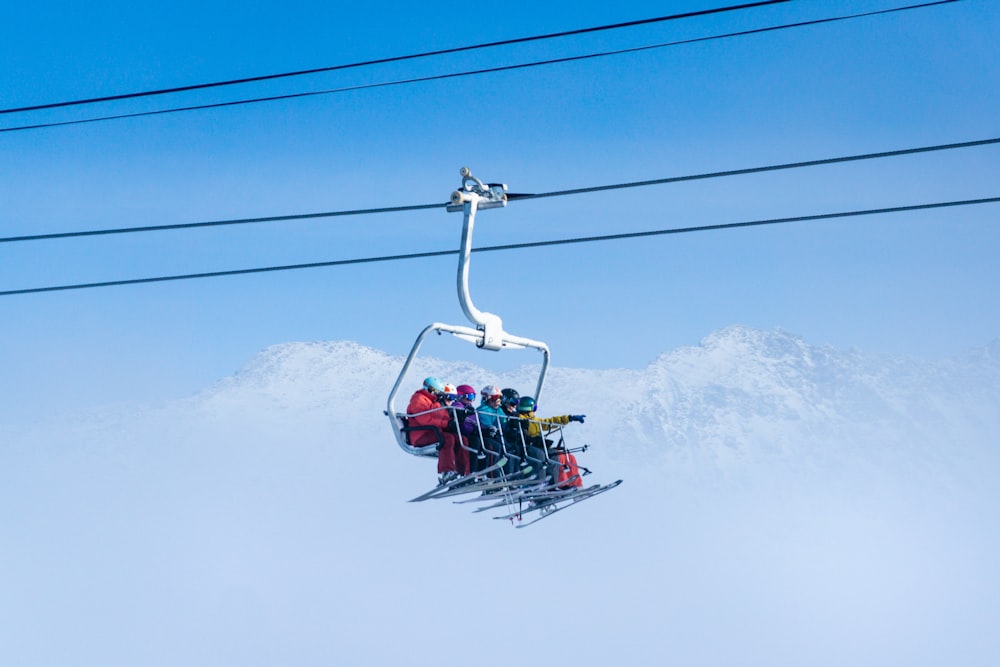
394, 59
510, 246
217, 223
477, 72
758, 170
512, 197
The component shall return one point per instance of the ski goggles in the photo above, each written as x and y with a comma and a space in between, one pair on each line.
468, 397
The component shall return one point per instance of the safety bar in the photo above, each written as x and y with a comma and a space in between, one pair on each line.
465, 333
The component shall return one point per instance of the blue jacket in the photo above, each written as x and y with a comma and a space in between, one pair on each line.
489, 417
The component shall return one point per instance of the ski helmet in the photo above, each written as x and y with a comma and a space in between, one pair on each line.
526, 404
510, 396
466, 391
489, 391
433, 385
448, 391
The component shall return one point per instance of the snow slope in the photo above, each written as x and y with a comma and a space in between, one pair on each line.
783, 504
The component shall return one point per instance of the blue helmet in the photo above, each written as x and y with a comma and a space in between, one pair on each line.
433, 385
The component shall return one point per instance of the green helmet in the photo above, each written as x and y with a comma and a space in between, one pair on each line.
526, 404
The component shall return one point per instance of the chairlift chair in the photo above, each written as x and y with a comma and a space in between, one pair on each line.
487, 332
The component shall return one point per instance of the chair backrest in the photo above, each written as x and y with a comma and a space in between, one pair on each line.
406, 429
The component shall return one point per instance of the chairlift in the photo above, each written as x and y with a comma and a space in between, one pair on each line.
487, 332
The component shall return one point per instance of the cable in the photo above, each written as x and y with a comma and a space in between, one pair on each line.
511, 197
393, 59
754, 170
512, 246
440, 77
217, 223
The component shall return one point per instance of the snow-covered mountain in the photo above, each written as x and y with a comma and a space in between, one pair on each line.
783, 504
742, 395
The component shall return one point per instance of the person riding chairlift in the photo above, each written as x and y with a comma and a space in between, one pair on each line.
528, 430
462, 408
428, 407
483, 426
508, 401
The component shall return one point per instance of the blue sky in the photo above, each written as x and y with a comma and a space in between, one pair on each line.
919, 283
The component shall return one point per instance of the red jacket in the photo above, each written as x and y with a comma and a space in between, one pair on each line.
421, 401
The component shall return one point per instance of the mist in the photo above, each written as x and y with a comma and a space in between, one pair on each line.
772, 513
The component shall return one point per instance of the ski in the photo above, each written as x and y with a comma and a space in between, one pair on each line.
488, 485
545, 501
506, 501
507, 498
575, 500
555, 489
458, 481
500, 491
469, 483
539, 489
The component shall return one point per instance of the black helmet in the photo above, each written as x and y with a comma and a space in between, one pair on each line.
526, 404
510, 396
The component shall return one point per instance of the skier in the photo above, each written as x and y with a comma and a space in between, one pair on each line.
462, 408
484, 424
426, 408
527, 430
466, 395
509, 400
449, 399
526, 407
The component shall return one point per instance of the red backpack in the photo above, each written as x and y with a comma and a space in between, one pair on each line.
568, 470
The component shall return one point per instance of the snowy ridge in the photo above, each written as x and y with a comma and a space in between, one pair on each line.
770, 393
